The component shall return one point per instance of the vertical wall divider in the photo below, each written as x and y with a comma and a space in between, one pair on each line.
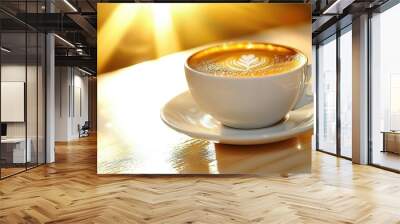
1, 166
338, 76
26, 86
369, 91
45, 94
69, 92
45, 88
72, 93
37, 90
316, 97
80, 103
359, 91
60, 76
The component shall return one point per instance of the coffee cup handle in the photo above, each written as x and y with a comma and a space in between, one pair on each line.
306, 95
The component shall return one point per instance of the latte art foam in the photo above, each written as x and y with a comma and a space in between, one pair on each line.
246, 60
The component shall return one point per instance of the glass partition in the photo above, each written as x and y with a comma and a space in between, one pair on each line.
14, 153
327, 96
385, 89
346, 93
22, 78
334, 94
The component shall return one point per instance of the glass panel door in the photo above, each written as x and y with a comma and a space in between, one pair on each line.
14, 150
22, 77
346, 93
385, 89
327, 96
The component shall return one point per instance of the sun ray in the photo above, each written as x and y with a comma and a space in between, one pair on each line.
166, 38
112, 31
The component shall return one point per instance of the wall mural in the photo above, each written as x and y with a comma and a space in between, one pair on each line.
186, 88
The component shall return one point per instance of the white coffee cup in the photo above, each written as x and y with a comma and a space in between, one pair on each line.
248, 102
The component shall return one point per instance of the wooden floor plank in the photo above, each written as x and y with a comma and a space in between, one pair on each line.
70, 191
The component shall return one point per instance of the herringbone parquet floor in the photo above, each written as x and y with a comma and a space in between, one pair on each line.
69, 191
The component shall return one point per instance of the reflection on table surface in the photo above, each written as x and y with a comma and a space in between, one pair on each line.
196, 156
132, 139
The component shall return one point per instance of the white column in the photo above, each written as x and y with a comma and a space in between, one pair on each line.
50, 99
360, 90
50, 92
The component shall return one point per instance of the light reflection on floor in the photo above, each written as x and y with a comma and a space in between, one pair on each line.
386, 159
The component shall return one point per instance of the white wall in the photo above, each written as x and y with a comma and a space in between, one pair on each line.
12, 101
71, 102
62, 81
83, 83
14, 72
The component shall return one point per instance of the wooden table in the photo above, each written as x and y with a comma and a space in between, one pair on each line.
391, 141
132, 139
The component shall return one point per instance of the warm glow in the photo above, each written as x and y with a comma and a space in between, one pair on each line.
166, 39
112, 31
141, 52
133, 33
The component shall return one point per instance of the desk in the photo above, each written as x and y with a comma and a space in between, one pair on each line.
391, 141
13, 150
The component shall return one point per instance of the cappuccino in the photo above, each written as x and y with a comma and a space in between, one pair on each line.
246, 60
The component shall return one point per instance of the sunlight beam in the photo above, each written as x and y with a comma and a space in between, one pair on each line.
111, 33
165, 37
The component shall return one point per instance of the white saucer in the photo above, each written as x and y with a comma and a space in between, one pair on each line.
182, 114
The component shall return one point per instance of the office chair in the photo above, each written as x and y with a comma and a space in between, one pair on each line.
84, 130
